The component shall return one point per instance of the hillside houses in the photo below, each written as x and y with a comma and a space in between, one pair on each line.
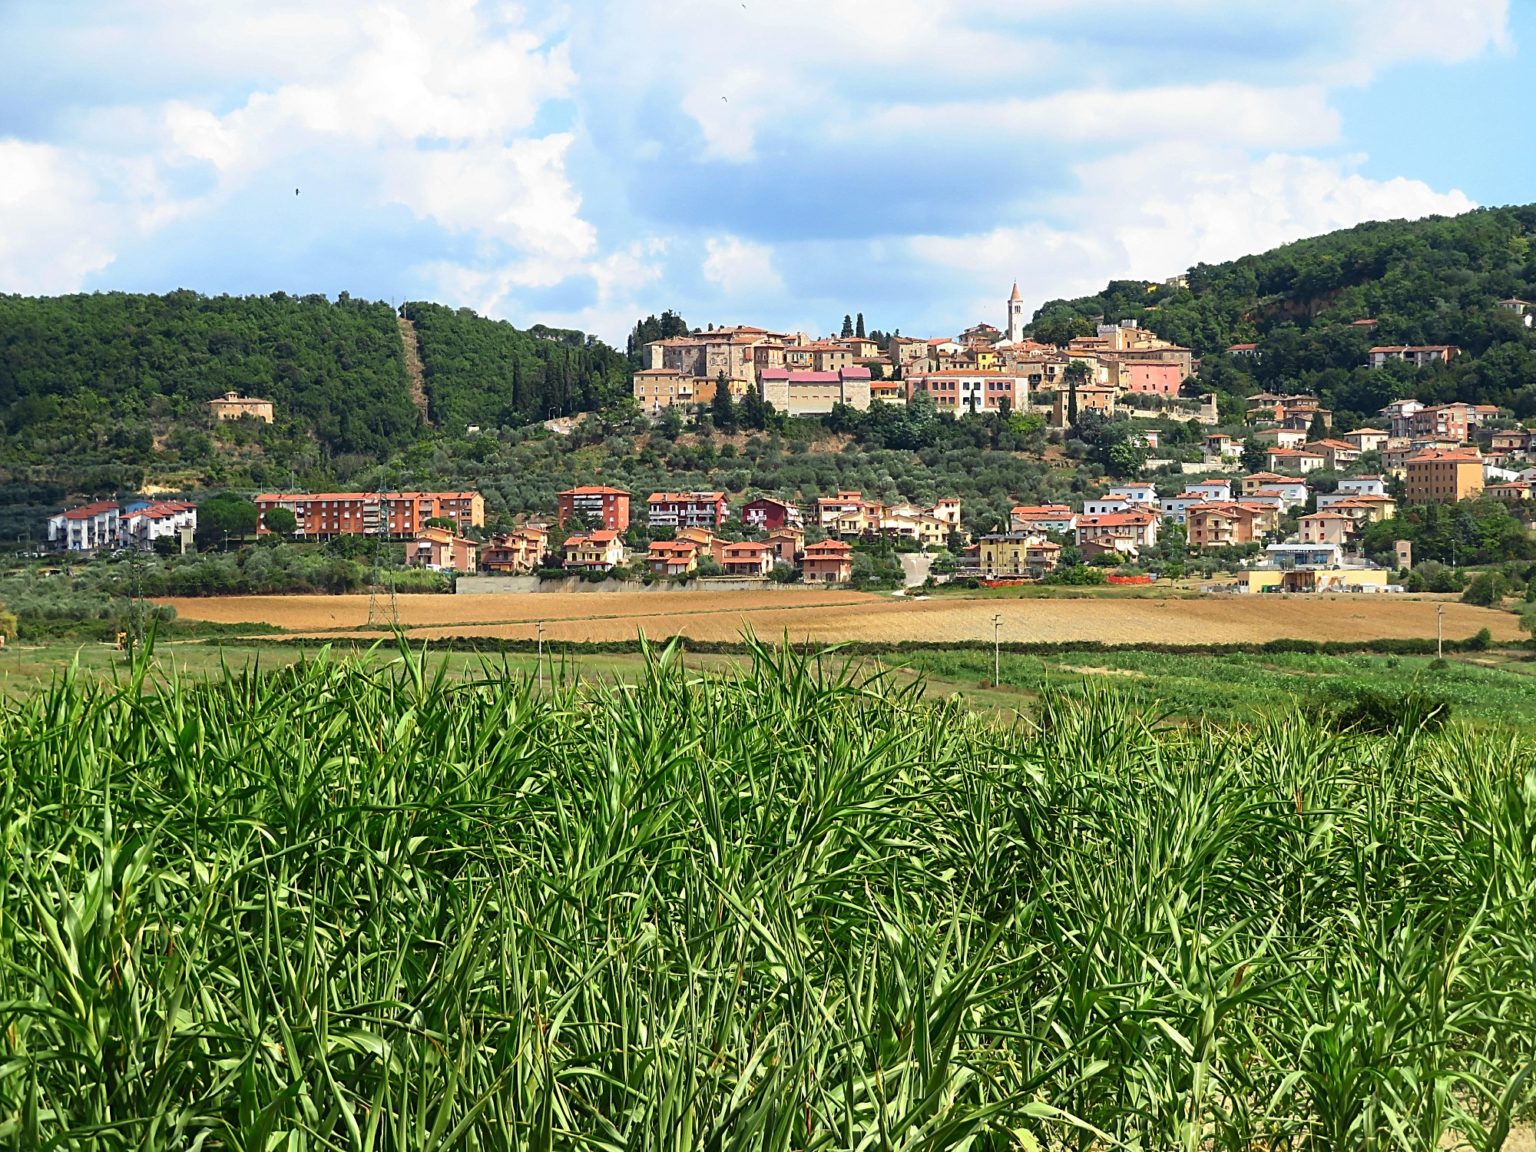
106, 525
983, 369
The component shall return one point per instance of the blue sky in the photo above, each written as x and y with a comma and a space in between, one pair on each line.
778, 162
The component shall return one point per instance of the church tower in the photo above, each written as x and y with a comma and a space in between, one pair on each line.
1015, 316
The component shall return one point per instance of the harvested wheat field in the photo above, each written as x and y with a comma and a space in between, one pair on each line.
822, 615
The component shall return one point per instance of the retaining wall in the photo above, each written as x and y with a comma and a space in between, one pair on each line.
502, 585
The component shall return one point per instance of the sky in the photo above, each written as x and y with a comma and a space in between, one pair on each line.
772, 162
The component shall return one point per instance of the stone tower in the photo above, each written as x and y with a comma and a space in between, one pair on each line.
1015, 315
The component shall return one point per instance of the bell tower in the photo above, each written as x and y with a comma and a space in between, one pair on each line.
1015, 316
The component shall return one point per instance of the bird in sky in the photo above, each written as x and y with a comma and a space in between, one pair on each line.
295, 191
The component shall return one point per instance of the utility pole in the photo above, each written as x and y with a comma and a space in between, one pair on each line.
1440, 631
997, 652
539, 659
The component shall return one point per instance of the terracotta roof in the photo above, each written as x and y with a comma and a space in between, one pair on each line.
1450, 457
594, 490
1116, 520
88, 511
668, 549
990, 373
685, 497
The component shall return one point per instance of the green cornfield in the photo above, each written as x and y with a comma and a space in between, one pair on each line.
793, 906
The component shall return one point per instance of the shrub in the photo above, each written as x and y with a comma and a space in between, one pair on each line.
1485, 590
1366, 710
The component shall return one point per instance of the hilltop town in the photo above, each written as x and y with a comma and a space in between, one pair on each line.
1277, 497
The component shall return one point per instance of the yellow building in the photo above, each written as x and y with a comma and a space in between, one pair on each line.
233, 406
596, 551
1018, 554
1443, 476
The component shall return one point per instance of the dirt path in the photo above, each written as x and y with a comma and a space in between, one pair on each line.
413, 367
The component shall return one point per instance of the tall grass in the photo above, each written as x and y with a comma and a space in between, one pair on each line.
795, 906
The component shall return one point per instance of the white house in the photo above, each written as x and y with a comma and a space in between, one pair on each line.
85, 529
1364, 485
1212, 489
1280, 437
1175, 509
1141, 495
142, 524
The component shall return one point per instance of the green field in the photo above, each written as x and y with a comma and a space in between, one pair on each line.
789, 903
1487, 689
1490, 689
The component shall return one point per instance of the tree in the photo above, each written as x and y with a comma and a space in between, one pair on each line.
7, 624
651, 329
282, 521
1254, 455
220, 517
754, 410
722, 408
1076, 373
858, 326
1486, 590
847, 325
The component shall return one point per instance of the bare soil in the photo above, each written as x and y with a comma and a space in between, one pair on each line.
829, 616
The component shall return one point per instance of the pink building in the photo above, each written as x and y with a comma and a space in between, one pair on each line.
1151, 377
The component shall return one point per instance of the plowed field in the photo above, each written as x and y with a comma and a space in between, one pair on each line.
832, 616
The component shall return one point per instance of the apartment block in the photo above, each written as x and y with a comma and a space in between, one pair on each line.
687, 509
594, 504
517, 553
769, 512
1443, 477
323, 515
829, 562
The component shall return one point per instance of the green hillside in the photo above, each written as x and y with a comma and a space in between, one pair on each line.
108, 390
487, 372
105, 393
1432, 281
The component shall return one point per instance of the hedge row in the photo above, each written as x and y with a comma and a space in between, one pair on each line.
495, 645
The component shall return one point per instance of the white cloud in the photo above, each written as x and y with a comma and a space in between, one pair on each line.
1448, 32
1179, 135
1201, 205
54, 231
740, 267
1221, 112
1151, 213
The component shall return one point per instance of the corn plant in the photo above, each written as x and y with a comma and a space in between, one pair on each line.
796, 905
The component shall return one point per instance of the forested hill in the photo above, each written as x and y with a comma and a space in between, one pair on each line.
107, 392
1432, 281
487, 372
